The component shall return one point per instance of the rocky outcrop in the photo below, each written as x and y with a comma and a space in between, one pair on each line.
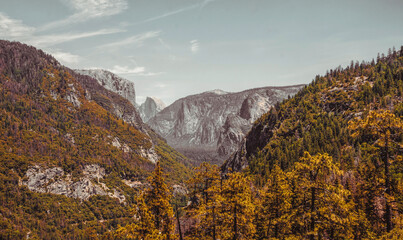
55, 181
216, 119
232, 133
149, 154
179, 190
112, 82
150, 108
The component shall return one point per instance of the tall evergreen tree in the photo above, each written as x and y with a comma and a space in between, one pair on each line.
321, 207
273, 212
384, 130
237, 207
206, 190
143, 227
157, 199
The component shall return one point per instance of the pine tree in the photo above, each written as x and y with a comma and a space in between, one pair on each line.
206, 190
384, 131
320, 204
143, 227
157, 199
274, 209
237, 208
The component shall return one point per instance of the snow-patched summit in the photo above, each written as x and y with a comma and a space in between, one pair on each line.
150, 108
112, 82
215, 121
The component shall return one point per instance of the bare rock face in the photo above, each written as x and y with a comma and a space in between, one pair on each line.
216, 119
179, 190
55, 181
113, 93
255, 106
73, 96
112, 82
149, 154
150, 108
232, 133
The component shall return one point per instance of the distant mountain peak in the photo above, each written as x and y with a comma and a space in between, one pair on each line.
150, 108
160, 104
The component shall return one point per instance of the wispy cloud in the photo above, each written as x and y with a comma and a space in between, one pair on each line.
160, 85
127, 70
65, 57
137, 70
200, 5
54, 39
136, 39
194, 46
167, 14
163, 43
88, 9
12, 28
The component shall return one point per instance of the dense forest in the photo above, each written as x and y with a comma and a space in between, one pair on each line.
52, 117
324, 164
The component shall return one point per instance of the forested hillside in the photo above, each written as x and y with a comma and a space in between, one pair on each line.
325, 164
347, 127
62, 133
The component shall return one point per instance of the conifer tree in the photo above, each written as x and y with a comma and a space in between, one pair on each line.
237, 208
157, 199
384, 131
273, 211
206, 189
143, 227
320, 206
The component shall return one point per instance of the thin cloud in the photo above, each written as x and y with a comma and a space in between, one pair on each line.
180, 10
170, 13
50, 40
194, 46
88, 9
136, 39
12, 28
160, 85
137, 70
127, 70
163, 43
65, 57
150, 74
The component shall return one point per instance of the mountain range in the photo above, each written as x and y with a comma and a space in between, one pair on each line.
209, 126
205, 127
320, 160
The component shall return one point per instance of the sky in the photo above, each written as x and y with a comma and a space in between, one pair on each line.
174, 48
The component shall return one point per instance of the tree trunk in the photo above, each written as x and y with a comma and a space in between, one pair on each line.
312, 236
388, 214
214, 230
235, 225
179, 223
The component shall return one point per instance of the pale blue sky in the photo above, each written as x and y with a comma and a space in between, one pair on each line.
174, 48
